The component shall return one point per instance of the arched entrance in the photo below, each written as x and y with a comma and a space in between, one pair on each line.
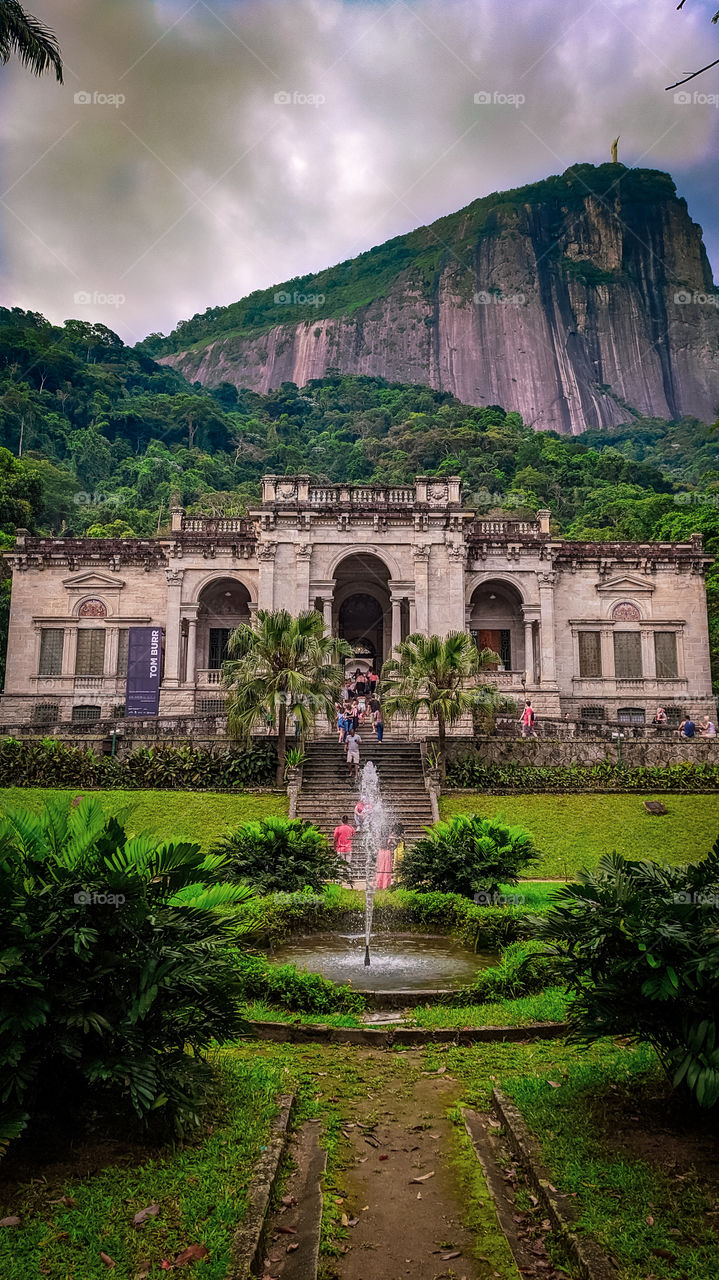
361, 607
223, 605
496, 622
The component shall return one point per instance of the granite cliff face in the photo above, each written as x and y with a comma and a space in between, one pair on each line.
578, 302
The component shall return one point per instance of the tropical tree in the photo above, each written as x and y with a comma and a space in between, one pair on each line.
432, 674
28, 39
283, 668
117, 969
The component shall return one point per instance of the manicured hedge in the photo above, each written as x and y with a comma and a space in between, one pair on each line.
51, 763
470, 772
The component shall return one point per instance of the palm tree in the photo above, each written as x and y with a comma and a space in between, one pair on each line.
431, 673
281, 667
26, 37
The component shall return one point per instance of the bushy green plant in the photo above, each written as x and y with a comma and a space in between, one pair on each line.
471, 772
290, 988
468, 855
523, 969
51, 763
640, 948
281, 854
116, 970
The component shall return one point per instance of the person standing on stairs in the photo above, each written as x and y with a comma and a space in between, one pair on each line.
342, 838
378, 723
353, 752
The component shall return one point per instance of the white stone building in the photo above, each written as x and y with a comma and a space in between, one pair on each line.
587, 630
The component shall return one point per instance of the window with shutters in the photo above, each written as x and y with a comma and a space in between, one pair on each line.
51, 645
90, 660
218, 647
590, 653
665, 652
123, 638
627, 655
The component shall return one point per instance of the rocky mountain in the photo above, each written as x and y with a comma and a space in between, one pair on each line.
579, 301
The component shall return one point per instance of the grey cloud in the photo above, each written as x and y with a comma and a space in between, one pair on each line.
201, 187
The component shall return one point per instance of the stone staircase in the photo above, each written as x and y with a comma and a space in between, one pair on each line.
328, 791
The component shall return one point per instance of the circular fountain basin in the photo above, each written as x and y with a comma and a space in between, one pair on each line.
405, 969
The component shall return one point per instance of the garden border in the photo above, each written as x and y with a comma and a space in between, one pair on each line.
248, 1239
591, 1262
395, 1038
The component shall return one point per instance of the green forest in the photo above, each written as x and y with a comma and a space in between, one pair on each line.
96, 439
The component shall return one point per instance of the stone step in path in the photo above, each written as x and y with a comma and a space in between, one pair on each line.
328, 791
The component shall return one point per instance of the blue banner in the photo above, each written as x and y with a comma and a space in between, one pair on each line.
144, 663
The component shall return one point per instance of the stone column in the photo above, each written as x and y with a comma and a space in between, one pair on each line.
421, 587
190, 671
112, 643
265, 593
455, 611
69, 651
606, 642
327, 613
412, 615
528, 651
396, 621
546, 609
649, 664
172, 628
303, 555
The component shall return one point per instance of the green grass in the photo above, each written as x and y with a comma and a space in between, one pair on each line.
547, 1006
201, 1190
199, 816
572, 832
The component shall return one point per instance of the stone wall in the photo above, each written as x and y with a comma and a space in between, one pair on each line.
548, 752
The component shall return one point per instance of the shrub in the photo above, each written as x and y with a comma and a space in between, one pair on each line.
467, 855
50, 763
290, 988
640, 948
471, 772
284, 854
523, 969
116, 971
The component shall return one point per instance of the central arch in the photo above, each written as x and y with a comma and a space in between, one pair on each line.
361, 609
496, 622
223, 604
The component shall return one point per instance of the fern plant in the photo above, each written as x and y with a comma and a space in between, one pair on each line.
639, 943
116, 969
468, 855
281, 854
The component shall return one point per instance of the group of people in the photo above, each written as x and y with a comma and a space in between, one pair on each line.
391, 842
687, 728
358, 706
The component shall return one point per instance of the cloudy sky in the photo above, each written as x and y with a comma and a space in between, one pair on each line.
231, 144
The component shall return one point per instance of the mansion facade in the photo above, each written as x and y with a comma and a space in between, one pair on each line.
588, 631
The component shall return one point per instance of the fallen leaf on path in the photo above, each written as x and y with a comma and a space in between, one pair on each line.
194, 1253
105, 1257
291, 1247
419, 1195
345, 1220
556, 1084
290, 1201
384, 1157
9, 1222
423, 1178
447, 1257
650, 1220
68, 1201
151, 1211
664, 1253
287, 1231
364, 1208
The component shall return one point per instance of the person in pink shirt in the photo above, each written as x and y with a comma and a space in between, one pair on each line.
342, 838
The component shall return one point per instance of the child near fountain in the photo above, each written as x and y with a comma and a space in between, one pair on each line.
384, 864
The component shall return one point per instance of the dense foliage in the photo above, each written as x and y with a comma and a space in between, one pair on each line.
281, 854
290, 988
640, 942
107, 437
471, 772
116, 971
469, 855
51, 763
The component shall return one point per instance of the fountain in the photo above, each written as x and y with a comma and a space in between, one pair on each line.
409, 968
374, 832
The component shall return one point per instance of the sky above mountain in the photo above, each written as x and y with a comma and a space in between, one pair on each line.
199, 150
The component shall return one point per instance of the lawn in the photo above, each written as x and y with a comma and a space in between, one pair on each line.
200, 816
200, 1187
574, 831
